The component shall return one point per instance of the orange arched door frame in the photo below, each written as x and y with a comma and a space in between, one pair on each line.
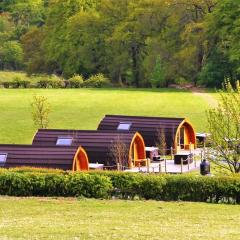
137, 150
189, 135
80, 162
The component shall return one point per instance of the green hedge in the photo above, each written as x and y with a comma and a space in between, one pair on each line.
29, 182
53, 81
54, 184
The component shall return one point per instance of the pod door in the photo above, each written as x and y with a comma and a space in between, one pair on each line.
185, 137
81, 161
137, 152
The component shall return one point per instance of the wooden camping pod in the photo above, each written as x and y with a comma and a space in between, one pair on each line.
178, 132
73, 158
99, 145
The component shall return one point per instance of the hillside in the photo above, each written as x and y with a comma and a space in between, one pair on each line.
84, 108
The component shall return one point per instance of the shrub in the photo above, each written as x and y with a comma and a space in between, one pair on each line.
175, 187
18, 82
97, 81
6, 84
43, 182
52, 81
75, 82
87, 185
15, 183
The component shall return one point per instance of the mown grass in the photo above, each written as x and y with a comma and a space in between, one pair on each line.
84, 108
44, 218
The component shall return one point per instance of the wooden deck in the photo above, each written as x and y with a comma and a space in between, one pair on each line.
170, 167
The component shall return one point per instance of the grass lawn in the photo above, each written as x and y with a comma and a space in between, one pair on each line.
84, 108
108, 219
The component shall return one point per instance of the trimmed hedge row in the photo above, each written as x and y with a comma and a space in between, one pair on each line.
77, 81
176, 187
121, 185
54, 184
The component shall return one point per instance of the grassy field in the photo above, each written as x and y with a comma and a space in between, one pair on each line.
84, 108
99, 219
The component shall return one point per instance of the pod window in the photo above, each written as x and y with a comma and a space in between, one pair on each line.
124, 126
3, 158
64, 141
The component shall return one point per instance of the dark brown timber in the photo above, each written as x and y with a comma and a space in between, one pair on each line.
97, 144
179, 132
43, 157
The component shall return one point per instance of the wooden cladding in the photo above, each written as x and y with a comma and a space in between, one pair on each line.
64, 158
98, 144
151, 127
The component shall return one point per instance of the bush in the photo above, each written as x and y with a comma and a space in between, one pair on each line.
20, 83
175, 187
6, 84
52, 81
97, 81
75, 82
86, 185
42, 182
16, 183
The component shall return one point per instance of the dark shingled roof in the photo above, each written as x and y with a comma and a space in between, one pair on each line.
33, 156
148, 127
97, 144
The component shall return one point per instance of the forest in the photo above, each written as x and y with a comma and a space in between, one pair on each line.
141, 43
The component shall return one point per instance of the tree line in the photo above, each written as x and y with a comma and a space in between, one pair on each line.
140, 43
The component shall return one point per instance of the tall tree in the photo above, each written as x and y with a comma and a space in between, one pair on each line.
224, 128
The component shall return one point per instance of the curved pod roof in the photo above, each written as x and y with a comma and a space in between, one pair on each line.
177, 131
75, 159
101, 147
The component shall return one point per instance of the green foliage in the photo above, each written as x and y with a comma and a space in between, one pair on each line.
40, 111
223, 124
19, 82
158, 76
53, 184
97, 81
11, 53
86, 185
122, 185
194, 40
75, 82
222, 60
52, 81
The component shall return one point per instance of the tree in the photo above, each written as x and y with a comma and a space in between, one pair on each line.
40, 111
119, 152
34, 52
57, 42
222, 33
158, 76
224, 129
11, 54
161, 141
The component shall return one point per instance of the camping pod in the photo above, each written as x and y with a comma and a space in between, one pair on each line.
110, 149
74, 159
178, 132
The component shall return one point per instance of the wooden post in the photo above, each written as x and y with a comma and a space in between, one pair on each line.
160, 168
190, 147
118, 166
181, 165
188, 164
165, 161
147, 165
139, 167
204, 150
171, 153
